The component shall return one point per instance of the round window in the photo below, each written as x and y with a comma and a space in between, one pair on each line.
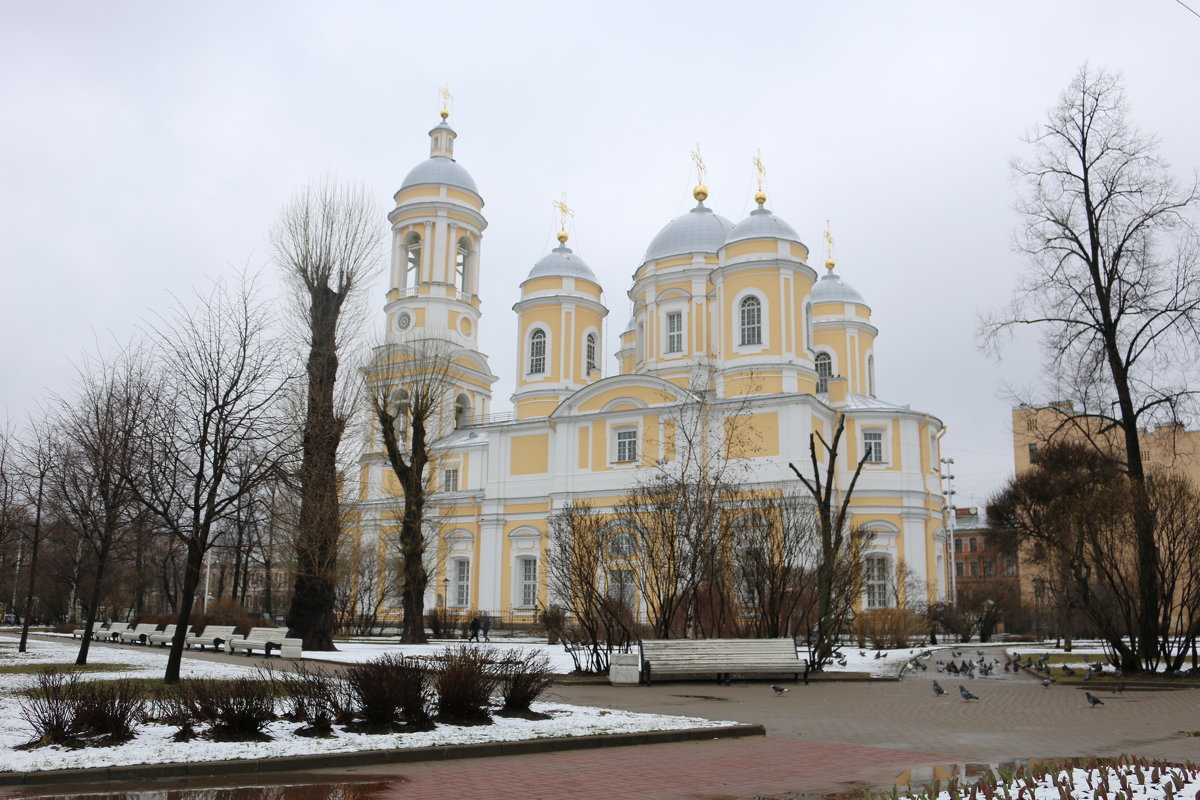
403, 320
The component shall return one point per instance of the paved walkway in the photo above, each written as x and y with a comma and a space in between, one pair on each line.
825, 737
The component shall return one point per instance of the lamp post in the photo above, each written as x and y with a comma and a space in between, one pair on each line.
948, 508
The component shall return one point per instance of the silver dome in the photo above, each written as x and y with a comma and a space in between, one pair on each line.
698, 231
830, 289
562, 263
439, 169
762, 224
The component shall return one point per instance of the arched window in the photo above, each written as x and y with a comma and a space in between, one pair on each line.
412, 260
462, 410
750, 314
590, 352
871, 375
527, 582
460, 264
537, 352
809, 342
824, 371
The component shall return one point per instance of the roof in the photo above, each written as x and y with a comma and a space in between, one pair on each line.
831, 289
762, 224
442, 170
561, 262
698, 231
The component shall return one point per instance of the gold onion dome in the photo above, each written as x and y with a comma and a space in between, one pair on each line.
563, 236
760, 197
700, 192
830, 264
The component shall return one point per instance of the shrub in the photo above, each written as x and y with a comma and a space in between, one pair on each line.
64, 710
464, 684
311, 696
443, 622
235, 710
889, 627
554, 620
391, 692
522, 678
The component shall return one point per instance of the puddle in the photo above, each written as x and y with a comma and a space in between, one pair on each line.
699, 697
356, 790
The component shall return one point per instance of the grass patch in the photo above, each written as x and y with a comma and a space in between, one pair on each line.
33, 669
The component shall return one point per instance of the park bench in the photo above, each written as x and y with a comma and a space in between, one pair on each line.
214, 636
114, 631
139, 634
267, 639
98, 632
720, 657
164, 637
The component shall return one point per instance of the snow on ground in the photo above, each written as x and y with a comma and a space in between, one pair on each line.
153, 745
863, 660
1127, 781
355, 651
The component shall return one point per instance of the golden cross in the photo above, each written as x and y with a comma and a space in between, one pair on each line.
759, 168
446, 98
699, 162
563, 210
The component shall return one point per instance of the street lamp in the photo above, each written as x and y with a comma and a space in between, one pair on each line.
948, 507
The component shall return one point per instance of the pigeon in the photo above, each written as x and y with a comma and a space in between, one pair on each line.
937, 689
966, 693
862, 653
1117, 673
1087, 676
1047, 682
878, 654
1091, 698
1070, 673
952, 668
1120, 687
778, 689
941, 667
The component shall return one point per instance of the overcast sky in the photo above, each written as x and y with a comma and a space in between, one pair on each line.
146, 146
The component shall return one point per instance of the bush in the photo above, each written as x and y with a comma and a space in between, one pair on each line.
464, 683
235, 710
443, 622
64, 710
522, 678
391, 692
314, 697
889, 627
554, 620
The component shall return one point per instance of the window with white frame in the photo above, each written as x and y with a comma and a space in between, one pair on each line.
877, 581
590, 352
750, 321
621, 546
527, 582
460, 592
675, 332
537, 352
412, 260
824, 364
622, 587
933, 453
809, 340
626, 444
450, 479
873, 446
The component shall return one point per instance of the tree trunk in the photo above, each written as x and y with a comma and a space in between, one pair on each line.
191, 580
93, 605
33, 564
415, 577
311, 615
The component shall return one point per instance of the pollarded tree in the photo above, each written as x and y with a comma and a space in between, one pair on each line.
327, 245
410, 387
1114, 285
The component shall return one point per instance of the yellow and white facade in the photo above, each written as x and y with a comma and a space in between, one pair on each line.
734, 309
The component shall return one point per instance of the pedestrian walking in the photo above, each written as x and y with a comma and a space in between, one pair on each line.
474, 637
486, 626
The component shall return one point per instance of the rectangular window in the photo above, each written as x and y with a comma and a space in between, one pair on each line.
1010, 568
873, 446
958, 569
675, 332
462, 583
988, 567
958, 545
450, 479
627, 445
621, 587
528, 582
1031, 423
1033, 456
933, 453
973, 547
877, 581
974, 568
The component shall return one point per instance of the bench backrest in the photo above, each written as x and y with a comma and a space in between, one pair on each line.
211, 631
266, 634
660, 651
146, 627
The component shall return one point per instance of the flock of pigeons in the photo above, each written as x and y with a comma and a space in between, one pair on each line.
968, 668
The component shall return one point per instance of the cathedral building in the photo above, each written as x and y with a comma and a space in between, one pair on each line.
734, 309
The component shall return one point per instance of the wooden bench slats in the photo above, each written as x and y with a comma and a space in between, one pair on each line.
724, 657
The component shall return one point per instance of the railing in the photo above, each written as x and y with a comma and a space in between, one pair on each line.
487, 419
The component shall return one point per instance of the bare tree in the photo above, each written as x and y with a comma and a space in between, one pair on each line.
410, 387
839, 565
1114, 284
12, 510
327, 244
101, 425
38, 452
213, 434
775, 547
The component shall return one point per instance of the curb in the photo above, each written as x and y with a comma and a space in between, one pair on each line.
208, 769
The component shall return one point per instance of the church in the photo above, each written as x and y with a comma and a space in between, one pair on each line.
734, 308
